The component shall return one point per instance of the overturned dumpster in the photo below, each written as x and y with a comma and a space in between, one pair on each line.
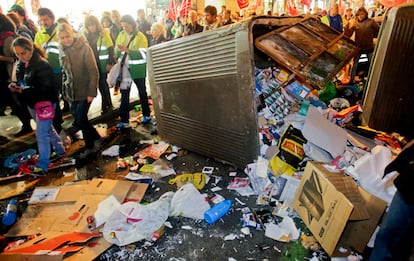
203, 85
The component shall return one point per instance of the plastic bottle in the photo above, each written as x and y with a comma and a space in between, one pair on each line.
10, 216
217, 211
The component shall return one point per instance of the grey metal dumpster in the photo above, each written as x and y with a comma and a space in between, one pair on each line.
203, 85
389, 96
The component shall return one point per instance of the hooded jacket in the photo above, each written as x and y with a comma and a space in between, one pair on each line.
38, 81
80, 72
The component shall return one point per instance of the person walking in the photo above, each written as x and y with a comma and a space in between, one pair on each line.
80, 78
36, 88
46, 39
365, 29
395, 237
103, 50
132, 45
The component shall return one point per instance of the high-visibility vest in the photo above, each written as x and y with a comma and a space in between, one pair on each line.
137, 60
50, 44
103, 44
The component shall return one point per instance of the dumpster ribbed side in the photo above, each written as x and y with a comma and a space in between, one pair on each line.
203, 92
201, 58
389, 97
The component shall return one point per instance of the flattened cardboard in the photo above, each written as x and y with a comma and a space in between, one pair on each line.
137, 192
118, 188
75, 218
325, 201
41, 218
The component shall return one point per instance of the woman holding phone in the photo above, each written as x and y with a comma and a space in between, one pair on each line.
35, 84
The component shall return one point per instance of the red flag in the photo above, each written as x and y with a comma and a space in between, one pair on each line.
306, 2
172, 12
243, 3
291, 8
185, 7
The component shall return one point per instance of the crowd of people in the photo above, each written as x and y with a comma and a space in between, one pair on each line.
111, 43
50, 69
40, 66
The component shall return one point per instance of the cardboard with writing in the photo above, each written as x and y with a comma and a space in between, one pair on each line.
331, 204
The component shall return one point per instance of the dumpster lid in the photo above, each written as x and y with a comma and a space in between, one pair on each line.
310, 49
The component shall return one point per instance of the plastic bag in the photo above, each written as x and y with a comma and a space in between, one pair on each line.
133, 222
15, 160
114, 73
188, 202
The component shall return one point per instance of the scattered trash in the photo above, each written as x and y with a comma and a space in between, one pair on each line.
188, 202
154, 150
217, 211
208, 170
132, 222
171, 156
9, 217
197, 179
245, 230
112, 151
230, 237
187, 227
16, 159
215, 189
284, 232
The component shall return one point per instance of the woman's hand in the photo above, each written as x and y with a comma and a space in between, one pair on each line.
90, 99
122, 48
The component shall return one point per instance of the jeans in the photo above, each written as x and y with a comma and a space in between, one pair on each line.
394, 238
79, 111
46, 135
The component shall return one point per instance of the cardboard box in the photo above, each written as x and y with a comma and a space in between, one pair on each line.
336, 210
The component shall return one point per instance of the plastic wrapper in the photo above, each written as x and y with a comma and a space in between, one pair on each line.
133, 222
188, 202
291, 146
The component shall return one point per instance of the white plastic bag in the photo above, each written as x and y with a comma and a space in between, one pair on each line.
132, 222
114, 73
369, 171
188, 202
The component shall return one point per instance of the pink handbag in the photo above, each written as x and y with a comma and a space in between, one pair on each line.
44, 110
